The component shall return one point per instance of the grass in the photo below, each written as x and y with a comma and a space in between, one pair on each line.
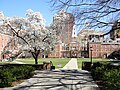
79, 60
57, 62
7, 62
93, 59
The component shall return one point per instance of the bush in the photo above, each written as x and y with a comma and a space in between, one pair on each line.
109, 75
98, 69
10, 74
22, 72
112, 79
28, 71
86, 66
5, 78
98, 73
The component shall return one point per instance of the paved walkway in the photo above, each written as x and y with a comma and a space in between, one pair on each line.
72, 64
58, 80
18, 62
69, 78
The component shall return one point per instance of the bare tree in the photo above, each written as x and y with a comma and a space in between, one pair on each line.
98, 13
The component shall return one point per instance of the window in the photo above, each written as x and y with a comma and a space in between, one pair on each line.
110, 41
51, 54
96, 54
2, 45
93, 41
118, 41
118, 24
56, 54
103, 41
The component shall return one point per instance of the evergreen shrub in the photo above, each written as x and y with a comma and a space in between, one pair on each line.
13, 73
109, 75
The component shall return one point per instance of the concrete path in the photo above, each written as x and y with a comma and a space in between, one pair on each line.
68, 78
72, 64
18, 62
58, 80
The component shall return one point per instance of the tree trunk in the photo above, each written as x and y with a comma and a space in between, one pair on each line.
35, 55
44, 55
36, 60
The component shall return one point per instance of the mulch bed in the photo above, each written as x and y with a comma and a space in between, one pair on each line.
15, 83
100, 84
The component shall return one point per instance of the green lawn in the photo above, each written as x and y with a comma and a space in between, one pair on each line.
93, 59
6, 62
57, 62
79, 60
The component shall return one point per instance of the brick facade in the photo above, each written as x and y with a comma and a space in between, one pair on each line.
67, 46
3, 42
103, 49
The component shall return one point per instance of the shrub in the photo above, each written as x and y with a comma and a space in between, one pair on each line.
22, 72
98, 69
98, 73
5, 78
28, 71
108, 74
12, 73
112, 79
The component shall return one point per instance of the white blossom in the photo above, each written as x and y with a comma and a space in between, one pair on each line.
29, 32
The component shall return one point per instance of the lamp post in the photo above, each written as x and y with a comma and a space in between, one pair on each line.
91, 54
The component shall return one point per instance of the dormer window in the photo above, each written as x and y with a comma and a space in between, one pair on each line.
118, 24
118, 41
110, 41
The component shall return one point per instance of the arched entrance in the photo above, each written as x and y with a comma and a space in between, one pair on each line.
70, 54
105, 55
74, 53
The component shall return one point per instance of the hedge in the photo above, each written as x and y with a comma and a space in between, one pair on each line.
112, 79
108, 74
13, 73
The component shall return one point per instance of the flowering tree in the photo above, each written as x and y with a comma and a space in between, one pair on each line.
29, 33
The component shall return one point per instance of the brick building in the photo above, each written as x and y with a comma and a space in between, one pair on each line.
84, 37
103, 48
67, 45
3, 42
64, 23
100, 46
71, 44
115, 31
78, 45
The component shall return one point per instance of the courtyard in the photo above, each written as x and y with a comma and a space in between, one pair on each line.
60, 45
57, 62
